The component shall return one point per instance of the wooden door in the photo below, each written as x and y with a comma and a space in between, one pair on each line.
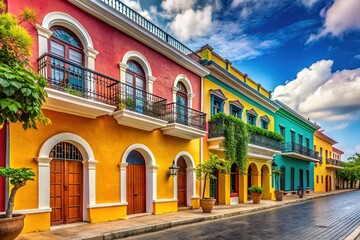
65, 191
181, 182
136, 183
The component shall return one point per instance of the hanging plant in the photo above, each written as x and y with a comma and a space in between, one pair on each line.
236, 140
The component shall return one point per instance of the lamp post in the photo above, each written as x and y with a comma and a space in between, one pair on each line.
173, 169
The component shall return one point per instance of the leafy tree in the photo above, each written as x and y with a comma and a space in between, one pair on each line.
351, 170
207, 169
21, 89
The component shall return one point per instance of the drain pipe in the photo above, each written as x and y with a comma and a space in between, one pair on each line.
201, 139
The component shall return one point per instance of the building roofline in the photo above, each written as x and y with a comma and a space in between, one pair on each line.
337, 150
324, 137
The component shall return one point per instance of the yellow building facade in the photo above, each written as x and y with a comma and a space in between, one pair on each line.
325, 170
227, 90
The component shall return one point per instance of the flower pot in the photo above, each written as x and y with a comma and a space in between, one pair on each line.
255, 196
207, 204
10, 228
279, 195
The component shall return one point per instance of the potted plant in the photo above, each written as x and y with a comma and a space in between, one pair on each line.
206, 170
21, 97
278, 193
12, 224
256, 193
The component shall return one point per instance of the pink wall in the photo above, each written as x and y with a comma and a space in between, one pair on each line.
112, 45
2, 164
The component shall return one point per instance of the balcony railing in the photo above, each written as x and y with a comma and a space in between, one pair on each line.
216, 129
139, 101
297, 148
77, 80
334, 162
177, 113
264, 141
152, 28
320, 159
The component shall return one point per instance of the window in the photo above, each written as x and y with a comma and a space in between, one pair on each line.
307, 143
251, 119
135, 75
317, 178
234, 181
264, 124
300, 139
265, 120
322, 179
307, 178
282, 132
66, 46
321, 152
236, 108
217, 101
134, 95
282, 178
235, 112
181, 100
251, 116
326, 154
292, 136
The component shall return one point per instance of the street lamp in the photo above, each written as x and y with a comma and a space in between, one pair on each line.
273, 164
173, 169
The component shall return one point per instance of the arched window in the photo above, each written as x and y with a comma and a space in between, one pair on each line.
135, 75
67, 59
181, 94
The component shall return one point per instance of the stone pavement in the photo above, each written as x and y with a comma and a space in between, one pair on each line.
150, 223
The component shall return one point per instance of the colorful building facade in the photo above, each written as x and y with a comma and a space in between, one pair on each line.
296, 162
124, 105
325, 171
228, 90
336, 160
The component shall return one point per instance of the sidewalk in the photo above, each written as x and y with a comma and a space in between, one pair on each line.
151, 223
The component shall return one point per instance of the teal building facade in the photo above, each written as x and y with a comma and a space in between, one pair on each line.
297, 158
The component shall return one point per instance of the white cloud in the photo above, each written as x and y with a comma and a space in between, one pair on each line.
191, 23
177, 5
323, 95
357, 56
341, 17
309, 3
135, 5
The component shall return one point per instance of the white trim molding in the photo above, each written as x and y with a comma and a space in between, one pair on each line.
144, 63
151, 174
31, 211
101, 205
165, 200
89, 170
190, 177
183, 79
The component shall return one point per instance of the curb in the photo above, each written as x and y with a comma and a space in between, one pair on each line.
159, 227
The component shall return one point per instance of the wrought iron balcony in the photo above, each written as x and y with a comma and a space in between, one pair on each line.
334, 162
290, 147
177, 113
69, 77
142, 102
264, 141
152, 28
216, 129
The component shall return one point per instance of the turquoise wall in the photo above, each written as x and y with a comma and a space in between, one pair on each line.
292, 123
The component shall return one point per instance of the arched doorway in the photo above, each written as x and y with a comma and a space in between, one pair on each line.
135, 183
265, 181
181, 182
234, 181
66, 179
252, 176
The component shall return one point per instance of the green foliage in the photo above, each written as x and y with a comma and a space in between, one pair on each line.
17, 175
277, 174
236, 140
68, 89
207, 169
21, 90
273, 135
21, 96
351, 170
257, 189
127, 102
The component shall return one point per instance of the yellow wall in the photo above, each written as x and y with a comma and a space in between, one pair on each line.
208, 54
165, 207
320, 169
108, 141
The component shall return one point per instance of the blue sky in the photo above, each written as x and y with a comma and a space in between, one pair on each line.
306, 51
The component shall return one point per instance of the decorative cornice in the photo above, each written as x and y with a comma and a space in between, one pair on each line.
218, 93
252, 112
237, 103
90, 52
44, 32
